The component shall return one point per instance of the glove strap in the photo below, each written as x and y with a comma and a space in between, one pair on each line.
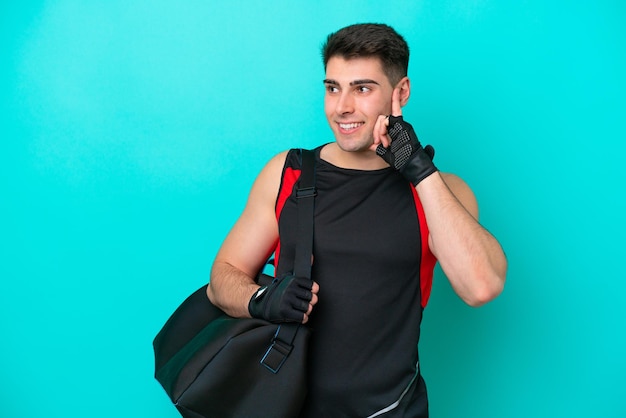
418, 167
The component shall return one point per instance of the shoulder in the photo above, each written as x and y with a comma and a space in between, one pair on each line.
275, 165
268, 179
278, 159
461, 190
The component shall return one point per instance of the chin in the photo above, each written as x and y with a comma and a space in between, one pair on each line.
353, 145
350, 147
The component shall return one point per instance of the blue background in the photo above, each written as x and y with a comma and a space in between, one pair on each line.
132, 131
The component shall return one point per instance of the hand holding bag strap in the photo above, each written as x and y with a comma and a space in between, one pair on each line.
282, 343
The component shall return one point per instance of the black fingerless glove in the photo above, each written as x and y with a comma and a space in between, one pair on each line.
405, 153
286, 299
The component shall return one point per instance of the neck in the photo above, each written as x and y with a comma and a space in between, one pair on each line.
356, 160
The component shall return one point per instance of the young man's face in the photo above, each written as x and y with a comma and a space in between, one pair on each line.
357, 92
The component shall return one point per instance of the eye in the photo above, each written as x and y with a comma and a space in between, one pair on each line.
331, 88
363, 89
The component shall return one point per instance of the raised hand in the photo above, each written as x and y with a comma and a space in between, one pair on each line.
395, 142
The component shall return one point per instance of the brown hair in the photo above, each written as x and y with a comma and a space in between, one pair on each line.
366, 40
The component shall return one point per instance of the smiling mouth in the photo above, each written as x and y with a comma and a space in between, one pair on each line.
350, 126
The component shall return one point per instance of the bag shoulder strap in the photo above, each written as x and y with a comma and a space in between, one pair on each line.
305, 195
283, 340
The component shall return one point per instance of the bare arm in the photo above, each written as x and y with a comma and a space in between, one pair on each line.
469, 255
248, 245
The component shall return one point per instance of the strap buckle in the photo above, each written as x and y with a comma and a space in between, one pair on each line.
276, 354
306, 192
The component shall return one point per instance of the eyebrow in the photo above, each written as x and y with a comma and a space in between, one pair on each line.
352, 83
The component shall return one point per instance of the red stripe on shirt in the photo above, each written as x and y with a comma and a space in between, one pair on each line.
428, 260
290, 177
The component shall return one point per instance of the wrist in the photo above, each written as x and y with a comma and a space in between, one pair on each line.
253, 292
418, 167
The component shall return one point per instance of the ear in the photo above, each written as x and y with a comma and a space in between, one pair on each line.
405, 90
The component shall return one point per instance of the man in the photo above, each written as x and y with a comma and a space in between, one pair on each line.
384, 215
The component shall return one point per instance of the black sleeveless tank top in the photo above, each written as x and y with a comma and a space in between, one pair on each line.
374, 268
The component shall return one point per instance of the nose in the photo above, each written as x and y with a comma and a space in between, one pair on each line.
345, 104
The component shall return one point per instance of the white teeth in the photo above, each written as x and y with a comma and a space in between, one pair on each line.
349, 125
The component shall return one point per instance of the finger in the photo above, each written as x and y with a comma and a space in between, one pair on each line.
384, 136
380, 131
312, 303
305, 295
313, 300
376, 132
373, 147
315, 288
308, 312
396, 107
303, 283
302, 306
